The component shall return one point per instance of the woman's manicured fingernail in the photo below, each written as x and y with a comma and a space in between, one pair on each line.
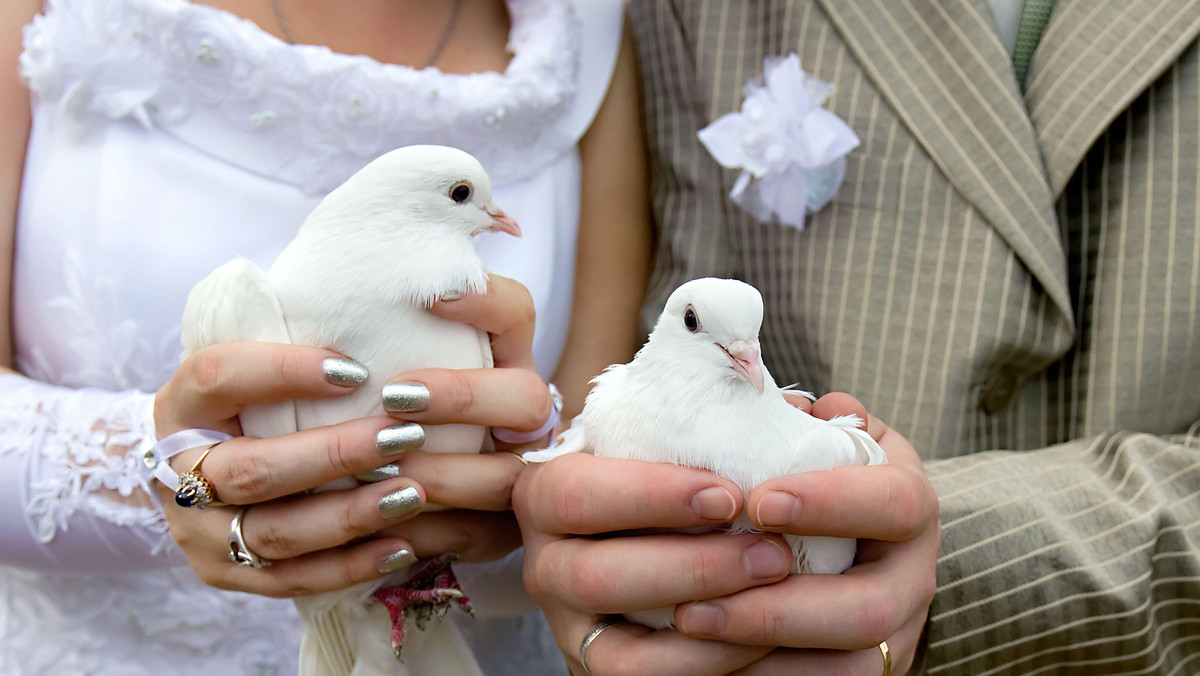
714, 504
766, 559
398, 503
400, 438
405, 397
452, 294
344, 372
703, 619
395, 561
777, 509
379, 474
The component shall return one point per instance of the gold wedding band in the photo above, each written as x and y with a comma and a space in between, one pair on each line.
520, 457
593, 633
887, 659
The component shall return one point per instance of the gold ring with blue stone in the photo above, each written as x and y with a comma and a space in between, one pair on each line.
195, 490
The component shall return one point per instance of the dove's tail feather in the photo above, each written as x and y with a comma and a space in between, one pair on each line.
866, 451
572, 440
656, 618
354, 639
319, 654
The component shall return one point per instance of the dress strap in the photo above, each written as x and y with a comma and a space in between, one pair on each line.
602, 22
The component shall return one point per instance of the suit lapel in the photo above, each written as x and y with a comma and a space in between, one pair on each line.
940, 65
1095, 58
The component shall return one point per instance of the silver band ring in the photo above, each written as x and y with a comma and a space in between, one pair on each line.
594, 632
239, 552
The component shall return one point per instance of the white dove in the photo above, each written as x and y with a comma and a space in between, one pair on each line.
697, 394
356, 279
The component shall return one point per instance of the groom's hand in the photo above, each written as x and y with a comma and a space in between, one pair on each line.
579, 566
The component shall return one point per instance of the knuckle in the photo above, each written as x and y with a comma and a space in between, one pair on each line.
349, 572
927, 586
590, 583
845, 668
206, 372
906, 513
521, 492
222, 580
698, 569
626, 663
273, 542
874, 621
522, 309
769, 626
292, 589
498, 494
570, 504
339, 454
527, 313
533, 575
538, 395
460, 393
908, 504
289, 365
246, 476
457, 537
290, 582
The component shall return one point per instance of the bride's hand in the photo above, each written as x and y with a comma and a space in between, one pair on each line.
306, 537
476, 487
316, 541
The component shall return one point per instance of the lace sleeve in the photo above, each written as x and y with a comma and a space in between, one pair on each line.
75, 494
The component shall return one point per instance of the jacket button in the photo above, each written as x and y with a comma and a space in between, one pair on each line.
999, 391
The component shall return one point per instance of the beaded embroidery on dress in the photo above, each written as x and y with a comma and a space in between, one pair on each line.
199, 72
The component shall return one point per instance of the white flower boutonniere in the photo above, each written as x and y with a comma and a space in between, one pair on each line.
792, 152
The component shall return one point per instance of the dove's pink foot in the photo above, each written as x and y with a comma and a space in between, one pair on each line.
426, 594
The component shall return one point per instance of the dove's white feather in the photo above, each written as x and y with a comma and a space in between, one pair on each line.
682, 401
238, 303
357, 279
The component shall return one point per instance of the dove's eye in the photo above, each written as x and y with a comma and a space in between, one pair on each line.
690, 320
461, 192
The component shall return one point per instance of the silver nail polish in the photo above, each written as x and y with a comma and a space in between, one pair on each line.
344, 372
452, 294
379, 474
399, 438
398, 503
405, 397
396, 561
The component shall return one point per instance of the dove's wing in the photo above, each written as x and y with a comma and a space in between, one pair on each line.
237, 303
834, 443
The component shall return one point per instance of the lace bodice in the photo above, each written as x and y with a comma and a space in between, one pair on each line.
168, 138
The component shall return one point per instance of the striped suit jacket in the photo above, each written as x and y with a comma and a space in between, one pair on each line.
1011, 280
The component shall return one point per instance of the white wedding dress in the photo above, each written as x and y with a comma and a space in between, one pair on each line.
167, 139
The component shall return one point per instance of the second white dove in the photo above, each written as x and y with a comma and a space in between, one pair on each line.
697, 394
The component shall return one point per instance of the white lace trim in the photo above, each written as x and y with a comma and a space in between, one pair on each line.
302, 113
89, 444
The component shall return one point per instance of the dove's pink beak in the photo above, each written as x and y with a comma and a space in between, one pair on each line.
502, 222
744, 355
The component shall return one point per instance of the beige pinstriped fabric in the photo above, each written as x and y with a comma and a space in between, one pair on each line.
1013, 282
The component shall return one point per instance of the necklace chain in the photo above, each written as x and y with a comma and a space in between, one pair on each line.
433, 56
